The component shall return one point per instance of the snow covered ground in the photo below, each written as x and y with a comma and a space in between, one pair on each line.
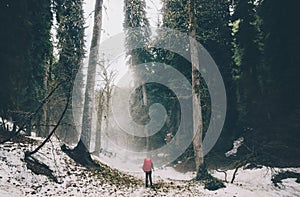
17, 180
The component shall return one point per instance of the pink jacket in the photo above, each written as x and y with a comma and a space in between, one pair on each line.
147, 165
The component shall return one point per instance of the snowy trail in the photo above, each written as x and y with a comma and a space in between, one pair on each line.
17, 180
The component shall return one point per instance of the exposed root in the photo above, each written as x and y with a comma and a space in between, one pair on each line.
211, 183
38, 167
81, 155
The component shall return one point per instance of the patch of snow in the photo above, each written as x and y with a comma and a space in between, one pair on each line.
169, 173
236, 144
17, 180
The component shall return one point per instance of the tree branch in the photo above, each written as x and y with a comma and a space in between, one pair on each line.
52, 132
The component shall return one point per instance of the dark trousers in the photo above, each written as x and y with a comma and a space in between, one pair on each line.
148, 175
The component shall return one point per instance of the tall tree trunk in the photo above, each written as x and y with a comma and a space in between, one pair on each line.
78, 99
196, 100
47, 105
145, 103
45, 128
89, 102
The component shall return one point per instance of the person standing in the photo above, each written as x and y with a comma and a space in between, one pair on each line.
147, 168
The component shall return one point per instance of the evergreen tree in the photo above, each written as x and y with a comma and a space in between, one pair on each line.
215, 34
41, 51
280, 57
248, 59
70, 34
26, 53
280, 94
136, 25
268, 97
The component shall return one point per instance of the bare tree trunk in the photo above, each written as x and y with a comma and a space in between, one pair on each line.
99, 122
41, 120
196, 100
89, 102
109, 80
48, 104
145, 103
45, 107
78, 99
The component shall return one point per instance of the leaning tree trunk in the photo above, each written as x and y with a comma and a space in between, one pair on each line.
196, 100
89, 102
